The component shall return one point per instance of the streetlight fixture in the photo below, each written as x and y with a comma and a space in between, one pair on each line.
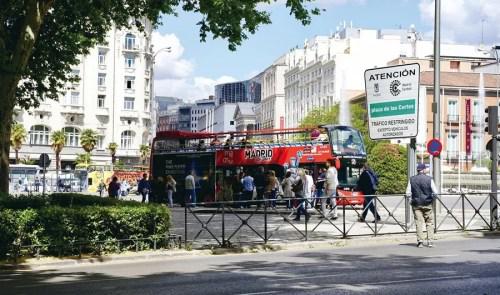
152, 102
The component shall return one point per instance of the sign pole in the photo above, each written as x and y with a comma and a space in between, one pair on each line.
44, 169
412, 167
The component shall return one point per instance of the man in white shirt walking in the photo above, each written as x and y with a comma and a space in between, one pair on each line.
190, 188
331, 184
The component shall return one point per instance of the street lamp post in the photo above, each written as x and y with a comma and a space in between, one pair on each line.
152, 102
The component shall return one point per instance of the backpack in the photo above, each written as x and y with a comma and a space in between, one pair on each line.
373, 179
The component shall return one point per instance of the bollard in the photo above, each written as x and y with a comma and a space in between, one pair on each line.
265, 225
463, 211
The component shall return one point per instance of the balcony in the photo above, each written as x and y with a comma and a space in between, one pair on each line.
451, 155
122, 152
102, 112
72, 109
130, 49
129, 70
129, 91
453, 118
129, 114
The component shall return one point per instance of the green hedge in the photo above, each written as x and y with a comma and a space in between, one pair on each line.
60, 199
92, 225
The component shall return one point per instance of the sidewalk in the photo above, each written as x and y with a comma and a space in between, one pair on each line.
129, 257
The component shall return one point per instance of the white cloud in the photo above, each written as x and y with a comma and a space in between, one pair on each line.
174, 74
461, 20
170, 64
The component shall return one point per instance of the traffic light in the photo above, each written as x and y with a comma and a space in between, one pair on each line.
492, 120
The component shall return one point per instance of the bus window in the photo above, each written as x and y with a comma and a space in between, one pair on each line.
347, 141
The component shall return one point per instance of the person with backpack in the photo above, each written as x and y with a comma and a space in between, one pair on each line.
367, 184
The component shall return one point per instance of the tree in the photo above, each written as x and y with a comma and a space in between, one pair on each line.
359, 120
144, 150
88, 140
26, 160
112, 147
389, 162
17, 138
83, 160
321, 116
41, 39
58, 139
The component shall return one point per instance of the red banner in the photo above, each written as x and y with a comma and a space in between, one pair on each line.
274, 155
468, 129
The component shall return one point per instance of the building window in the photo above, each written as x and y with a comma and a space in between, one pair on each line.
452, 111
75, 74
72, 136
454, 64
101, 99
100, 142
146, 84
39, 134
128, 103
101, 57
130, 61
477, 145
127, 139
452, 145
231, 123
146, 105
75, 98
129, 82
129, 41
431, 64
101, 80
476, 112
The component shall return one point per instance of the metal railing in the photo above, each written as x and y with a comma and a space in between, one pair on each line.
224, 224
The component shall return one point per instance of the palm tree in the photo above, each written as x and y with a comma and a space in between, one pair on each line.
83, 160
112, 147
17, 137
58, 139
144, 150
88, 140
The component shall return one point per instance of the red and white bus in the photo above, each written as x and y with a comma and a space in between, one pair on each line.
214, 156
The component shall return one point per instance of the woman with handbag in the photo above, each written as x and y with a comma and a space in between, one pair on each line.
171, 189
298, 189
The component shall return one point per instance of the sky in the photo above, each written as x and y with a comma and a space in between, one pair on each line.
191, 69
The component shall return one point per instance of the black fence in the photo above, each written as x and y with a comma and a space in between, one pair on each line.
225, 224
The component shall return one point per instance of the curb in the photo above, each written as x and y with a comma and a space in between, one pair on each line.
362, 241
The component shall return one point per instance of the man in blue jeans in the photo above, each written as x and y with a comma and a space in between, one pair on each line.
366, 184
190, 188
144, 187
248, 187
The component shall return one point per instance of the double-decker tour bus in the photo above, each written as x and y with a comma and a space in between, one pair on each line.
214, 158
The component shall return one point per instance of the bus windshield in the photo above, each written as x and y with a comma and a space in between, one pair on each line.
347, 141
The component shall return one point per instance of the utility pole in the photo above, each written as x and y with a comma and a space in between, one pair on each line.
492, 120
436, 105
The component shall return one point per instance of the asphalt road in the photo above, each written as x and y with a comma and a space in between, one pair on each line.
465, 266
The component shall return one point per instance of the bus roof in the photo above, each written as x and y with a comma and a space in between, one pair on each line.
201, 135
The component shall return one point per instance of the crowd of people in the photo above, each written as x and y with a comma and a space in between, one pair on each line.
299, 188
160, 191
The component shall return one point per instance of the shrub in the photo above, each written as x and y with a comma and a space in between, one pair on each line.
62, 200
390, 163
61, 231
